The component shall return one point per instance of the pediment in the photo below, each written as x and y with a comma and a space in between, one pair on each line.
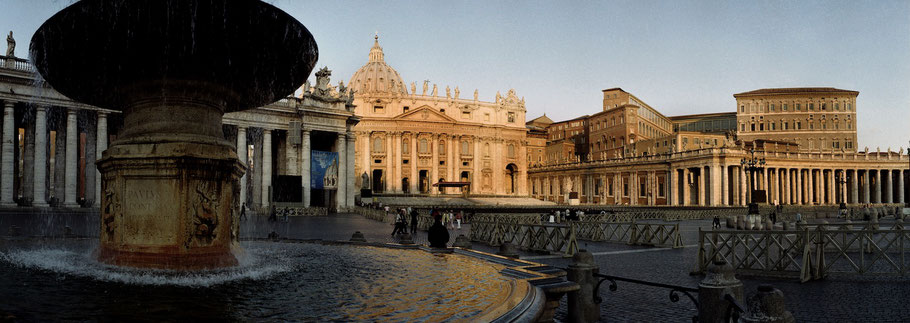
426, 114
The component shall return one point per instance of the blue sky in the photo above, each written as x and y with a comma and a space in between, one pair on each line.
682, 57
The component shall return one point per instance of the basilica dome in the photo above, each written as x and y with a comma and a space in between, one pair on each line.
377, 76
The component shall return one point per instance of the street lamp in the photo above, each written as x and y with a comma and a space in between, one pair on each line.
751, 165
841, 180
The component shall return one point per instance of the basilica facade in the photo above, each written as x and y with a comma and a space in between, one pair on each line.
412, 139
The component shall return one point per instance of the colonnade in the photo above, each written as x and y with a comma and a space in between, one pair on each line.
716, 184
27, 156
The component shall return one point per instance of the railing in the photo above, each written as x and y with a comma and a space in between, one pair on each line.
633, 233
16, 63
372, 214
534, 237
674, 292
810, 252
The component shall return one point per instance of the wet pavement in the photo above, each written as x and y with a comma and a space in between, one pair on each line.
856, 299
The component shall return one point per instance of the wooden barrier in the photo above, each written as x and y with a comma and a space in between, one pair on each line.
633, 233
534, 237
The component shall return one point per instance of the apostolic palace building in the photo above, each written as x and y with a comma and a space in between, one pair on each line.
319, 149
631, 154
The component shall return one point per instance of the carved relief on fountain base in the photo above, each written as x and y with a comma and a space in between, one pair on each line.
169, 205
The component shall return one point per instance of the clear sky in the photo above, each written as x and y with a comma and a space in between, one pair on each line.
681, 57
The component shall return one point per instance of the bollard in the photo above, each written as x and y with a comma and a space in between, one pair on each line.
719, 281
462, 242
358, 237
584, 306
787, 225
405, 238
757, 225
875, 225
767, 306
741, 222
731, 222
507, 250
769, 225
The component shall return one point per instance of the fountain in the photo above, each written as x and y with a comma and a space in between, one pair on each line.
173, 67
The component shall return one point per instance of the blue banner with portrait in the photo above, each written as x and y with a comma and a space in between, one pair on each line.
323, 169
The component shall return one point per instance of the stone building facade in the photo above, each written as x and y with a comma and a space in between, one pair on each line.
50, 144
409, 139
699, 163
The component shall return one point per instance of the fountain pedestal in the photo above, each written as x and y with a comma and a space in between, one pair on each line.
170, 181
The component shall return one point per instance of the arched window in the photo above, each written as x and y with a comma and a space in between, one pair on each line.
377, 144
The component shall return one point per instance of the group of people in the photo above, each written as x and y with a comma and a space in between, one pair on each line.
567, 215
401, 220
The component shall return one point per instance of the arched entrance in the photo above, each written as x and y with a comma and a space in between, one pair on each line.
405, 185
511, 173
424, 181
377, 181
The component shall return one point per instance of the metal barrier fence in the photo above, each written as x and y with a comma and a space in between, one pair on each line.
810, 253
373, 214
633, 233
534, 237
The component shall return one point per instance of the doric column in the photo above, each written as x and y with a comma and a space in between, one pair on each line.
306, 163
785, 189
72, 158
366, 158
242, 155
832, 190
900, 186
877, 197
888, 187
499, 167
672, 177
100, 147
866, 184
686, 199
701, 186
413, 181
7, 164
725, 185
476, 178
743, 188
266, 166
854, 187
633, 188
40, 173
800, 192
341, 193
773, 199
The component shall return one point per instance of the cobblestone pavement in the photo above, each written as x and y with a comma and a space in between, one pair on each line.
865, 299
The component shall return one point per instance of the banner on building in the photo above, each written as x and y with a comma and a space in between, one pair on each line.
323, 169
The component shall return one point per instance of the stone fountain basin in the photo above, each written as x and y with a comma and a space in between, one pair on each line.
52, 280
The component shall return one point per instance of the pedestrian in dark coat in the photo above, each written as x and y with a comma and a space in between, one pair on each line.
438, 235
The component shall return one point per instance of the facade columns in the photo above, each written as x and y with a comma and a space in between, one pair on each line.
477, 162
366, 158
866, 184
40, 173
395, 176
389, 163
877, 197
785, 189
832, 191
900, 186
414, 182
686, 199
854, 187
341, 192
674, 191
100, 147
742, 186
888, 187
701, 186
306, 166
6, 155
72, 159
434, 165
266, 167
351, 173
725, 186
800, 191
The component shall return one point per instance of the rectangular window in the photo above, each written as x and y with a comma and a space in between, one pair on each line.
836, 106
761, 126
378, 109
785, 107
642, 188
625, 188
465, 114
848, 144
849, 107
772, 108
486, 117
661, 188
773, 126
610, 187
511, 117
798, 107
406, 108
811, 106
799, 125
786, 125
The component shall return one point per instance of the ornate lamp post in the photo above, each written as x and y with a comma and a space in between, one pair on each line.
840, 180
751, 165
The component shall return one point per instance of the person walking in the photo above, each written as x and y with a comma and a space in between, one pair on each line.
414, 221
716, 223
458, 219
242, 211
438, 235
398, 220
